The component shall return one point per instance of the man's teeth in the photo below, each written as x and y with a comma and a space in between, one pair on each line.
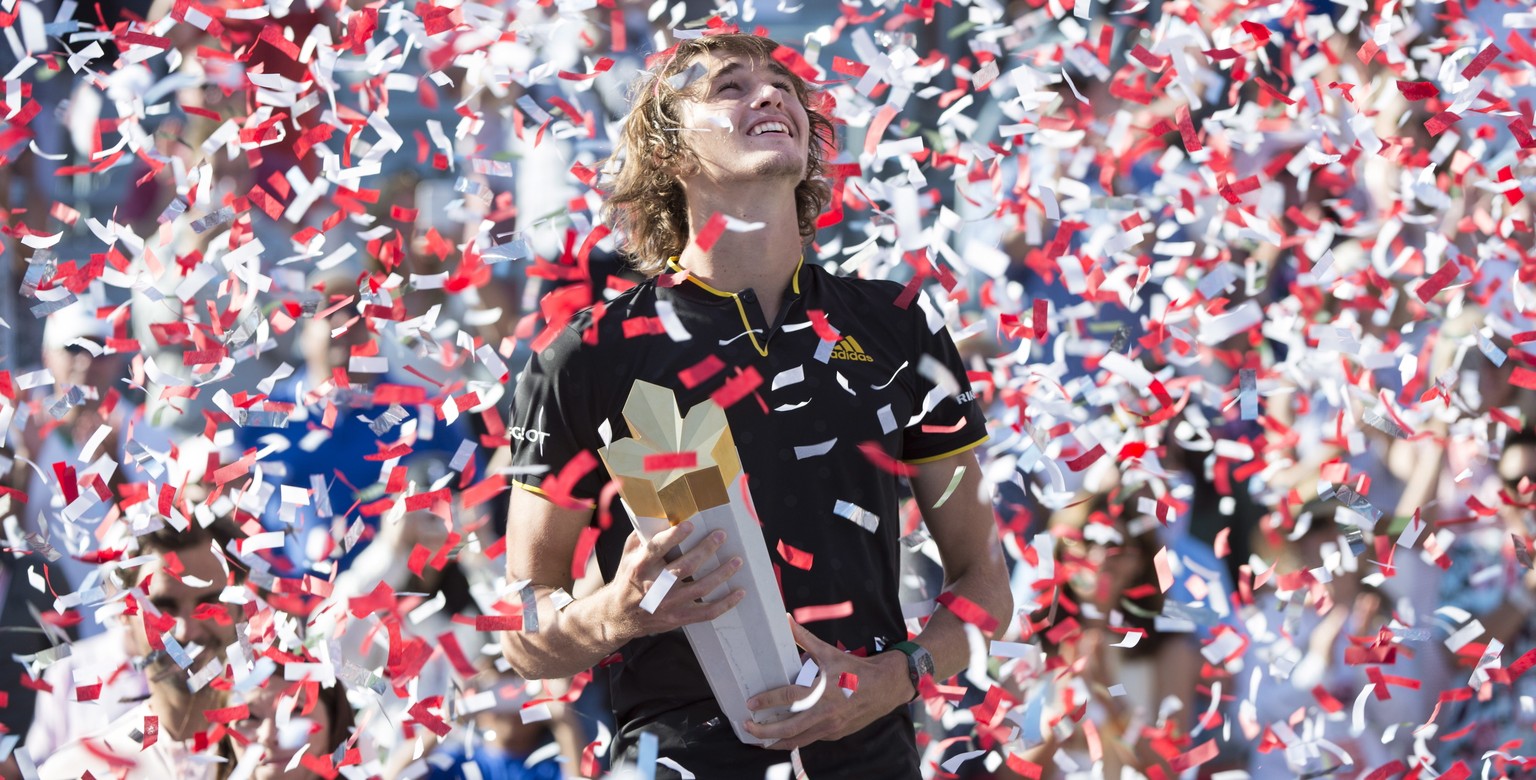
770, 127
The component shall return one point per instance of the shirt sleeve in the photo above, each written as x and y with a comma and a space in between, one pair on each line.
554, 428
948, 420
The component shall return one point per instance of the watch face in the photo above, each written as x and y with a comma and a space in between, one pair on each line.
923, 661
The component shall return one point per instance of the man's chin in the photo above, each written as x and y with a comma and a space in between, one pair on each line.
275, 769
163, 671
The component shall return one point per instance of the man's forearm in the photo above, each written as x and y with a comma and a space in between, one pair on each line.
567, 641
944, 636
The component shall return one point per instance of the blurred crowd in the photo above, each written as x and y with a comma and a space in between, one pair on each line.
1246, 290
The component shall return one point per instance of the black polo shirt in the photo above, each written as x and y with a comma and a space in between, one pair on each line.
800, 406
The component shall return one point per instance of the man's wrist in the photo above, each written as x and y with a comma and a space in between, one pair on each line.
899, 681
612, 624
918, 663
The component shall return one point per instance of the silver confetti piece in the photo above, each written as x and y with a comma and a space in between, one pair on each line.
1248, 394
321, 496
173, 211
221, 217
1348, 497
1385, 424
530, 610
861, 517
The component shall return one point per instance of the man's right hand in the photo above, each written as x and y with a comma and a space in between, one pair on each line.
644, 561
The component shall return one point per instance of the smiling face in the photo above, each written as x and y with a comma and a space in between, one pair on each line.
192, 599
743, 120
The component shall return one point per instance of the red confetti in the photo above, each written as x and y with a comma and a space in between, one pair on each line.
665, 461
228, 714
698, 373
737, 388
1523, 377
1086, 459
824, 329
1438, 281
813, 614
713, 228
498, 622
1417, 90
797, 558
643, 326
1481, 62
969, 611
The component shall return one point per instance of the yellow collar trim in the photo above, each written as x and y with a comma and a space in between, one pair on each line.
741, 309
675, 266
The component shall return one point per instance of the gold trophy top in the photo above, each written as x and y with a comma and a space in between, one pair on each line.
674, 488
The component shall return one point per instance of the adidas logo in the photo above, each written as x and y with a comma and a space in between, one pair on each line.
849, 349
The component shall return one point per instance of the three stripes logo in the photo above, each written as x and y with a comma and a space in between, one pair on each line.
849, 349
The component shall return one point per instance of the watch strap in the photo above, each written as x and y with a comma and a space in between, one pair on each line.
919, 663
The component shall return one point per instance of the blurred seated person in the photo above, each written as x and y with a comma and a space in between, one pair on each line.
346, 405
505, 741
1307, 618
1491, 577
292, 731
85, 405
181, 615
1096, 620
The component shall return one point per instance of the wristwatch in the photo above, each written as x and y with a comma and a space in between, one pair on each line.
919, 664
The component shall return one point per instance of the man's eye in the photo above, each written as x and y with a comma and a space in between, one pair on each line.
728, 85
784, 85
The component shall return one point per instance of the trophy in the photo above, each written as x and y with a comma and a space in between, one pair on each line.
686, 468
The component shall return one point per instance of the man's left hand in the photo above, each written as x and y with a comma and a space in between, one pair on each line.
882, 685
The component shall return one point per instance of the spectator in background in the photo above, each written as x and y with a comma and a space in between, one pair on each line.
65, 711
298, 724
103, 677
177, 612
1099, 611
1491, 577
505, 741
347, 408
1302, 632
85, 423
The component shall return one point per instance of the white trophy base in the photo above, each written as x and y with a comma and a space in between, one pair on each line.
748, 650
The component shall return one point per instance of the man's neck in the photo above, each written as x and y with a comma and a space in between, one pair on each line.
763, 260
181, 710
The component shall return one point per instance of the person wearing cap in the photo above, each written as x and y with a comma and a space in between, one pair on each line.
832, 386
79, 418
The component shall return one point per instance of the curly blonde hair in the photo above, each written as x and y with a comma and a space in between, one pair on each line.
645, 203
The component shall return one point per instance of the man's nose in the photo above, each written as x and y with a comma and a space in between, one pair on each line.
190, 629
766, 94
266, 735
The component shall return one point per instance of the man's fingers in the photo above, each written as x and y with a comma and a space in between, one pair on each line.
808, 641
706, 584
705, 612
689, 562
668, 538
788, 731
633, 542
779, 697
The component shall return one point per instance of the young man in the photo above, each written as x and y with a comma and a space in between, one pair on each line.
178, 595
820, 425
